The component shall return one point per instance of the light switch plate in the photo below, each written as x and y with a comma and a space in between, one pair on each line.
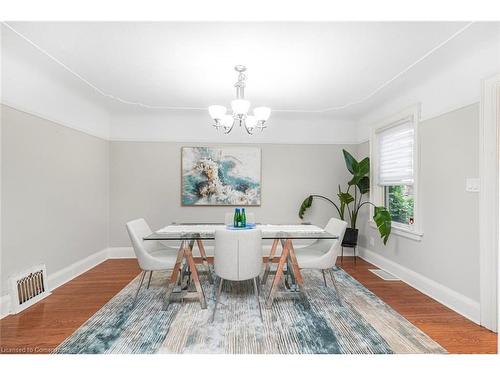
472, 184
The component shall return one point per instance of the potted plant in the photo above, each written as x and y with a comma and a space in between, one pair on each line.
352, 199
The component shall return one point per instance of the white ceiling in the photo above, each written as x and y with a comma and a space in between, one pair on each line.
291, 66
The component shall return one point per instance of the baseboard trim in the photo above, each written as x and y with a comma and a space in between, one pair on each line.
120, 252
4, 305
459, 303
58, 278
444, 295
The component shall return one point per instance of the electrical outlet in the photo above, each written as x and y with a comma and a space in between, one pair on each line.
472, 184
372, 241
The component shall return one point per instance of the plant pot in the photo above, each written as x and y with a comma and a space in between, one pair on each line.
350, 237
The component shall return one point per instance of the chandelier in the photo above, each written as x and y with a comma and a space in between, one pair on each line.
240, 107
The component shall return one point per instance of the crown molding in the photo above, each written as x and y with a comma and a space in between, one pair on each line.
182, 108
222, 141
42, 116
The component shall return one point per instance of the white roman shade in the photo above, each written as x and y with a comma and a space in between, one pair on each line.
395, 153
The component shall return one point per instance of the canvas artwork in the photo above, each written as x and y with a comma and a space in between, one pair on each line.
223, 176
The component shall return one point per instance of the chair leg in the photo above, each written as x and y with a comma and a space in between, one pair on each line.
149, 281
324, 277
339, 297
217, 296
354, 254
140, 284
256, 289
342, 256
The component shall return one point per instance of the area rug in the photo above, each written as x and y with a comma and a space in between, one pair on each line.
363, 324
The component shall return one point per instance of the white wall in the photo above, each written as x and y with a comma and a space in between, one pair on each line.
445, 263
453, 86
145, 182
54, 194
195, 126
301, 154
33, 83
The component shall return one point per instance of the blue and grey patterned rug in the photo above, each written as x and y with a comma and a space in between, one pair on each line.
363, 324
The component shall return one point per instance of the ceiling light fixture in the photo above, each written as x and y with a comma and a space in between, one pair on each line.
240, 107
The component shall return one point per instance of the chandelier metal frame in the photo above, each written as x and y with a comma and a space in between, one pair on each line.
240, 107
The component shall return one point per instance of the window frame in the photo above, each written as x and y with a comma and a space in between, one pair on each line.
377, 192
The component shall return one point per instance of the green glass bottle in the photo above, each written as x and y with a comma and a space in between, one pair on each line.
236, 217
243, 218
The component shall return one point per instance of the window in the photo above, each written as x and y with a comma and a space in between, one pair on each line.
394, 155
399, 201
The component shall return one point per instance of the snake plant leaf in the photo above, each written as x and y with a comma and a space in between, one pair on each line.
305, 205
345, 198
364, 185
383, 219
350, 162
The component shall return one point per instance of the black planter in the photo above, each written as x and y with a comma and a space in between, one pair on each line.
350, 240
350, 237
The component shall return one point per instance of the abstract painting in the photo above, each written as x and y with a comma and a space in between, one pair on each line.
221, 176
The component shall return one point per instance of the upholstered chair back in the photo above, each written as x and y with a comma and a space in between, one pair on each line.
137, 230
238, 254
337, 227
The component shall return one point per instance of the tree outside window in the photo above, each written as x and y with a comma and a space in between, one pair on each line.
399, 202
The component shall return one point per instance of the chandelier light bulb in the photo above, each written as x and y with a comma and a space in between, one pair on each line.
217, 112
240, 106
262, 113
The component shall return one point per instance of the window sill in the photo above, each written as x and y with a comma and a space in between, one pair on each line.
403, 232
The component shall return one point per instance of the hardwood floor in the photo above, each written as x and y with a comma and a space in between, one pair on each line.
451, 330
43, 326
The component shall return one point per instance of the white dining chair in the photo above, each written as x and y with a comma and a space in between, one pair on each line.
323, 253
229, 218
151, 255
238, 257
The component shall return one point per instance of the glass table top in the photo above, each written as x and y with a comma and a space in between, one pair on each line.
206, 231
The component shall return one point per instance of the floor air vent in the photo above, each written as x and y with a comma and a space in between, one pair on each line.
28, 287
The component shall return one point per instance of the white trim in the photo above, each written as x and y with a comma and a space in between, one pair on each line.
401, 231
377, 192
120, 252
427, 117
4, 305
356, 141
66, 274
223, 141
488, 201
334, 108
58, 278
55, 121
164, 139
450, 298
456, 301
4, 300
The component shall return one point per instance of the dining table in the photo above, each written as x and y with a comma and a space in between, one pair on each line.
284, 235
